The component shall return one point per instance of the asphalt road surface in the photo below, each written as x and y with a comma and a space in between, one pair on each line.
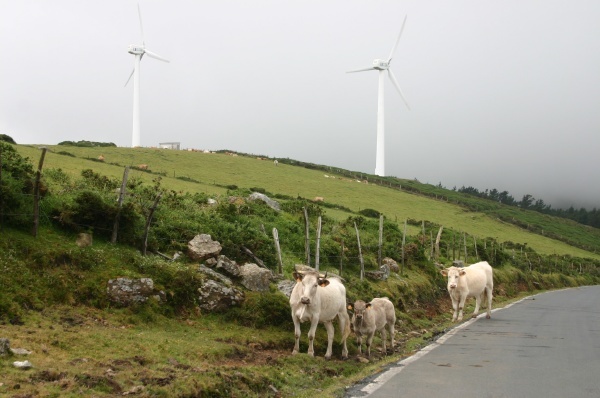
547, 345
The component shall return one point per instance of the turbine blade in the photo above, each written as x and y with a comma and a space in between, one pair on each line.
393, 79
141, 26
129, 77
156, 56
397, 40
360, 70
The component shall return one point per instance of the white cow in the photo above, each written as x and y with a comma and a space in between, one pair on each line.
472, 281
371, 317
319, 299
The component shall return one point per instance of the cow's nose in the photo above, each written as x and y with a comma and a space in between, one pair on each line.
305, 300
452, 286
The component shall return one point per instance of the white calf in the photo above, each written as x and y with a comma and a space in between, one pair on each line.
471, 281
370, 317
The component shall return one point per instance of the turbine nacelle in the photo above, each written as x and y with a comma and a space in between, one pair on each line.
135, 49
381, 64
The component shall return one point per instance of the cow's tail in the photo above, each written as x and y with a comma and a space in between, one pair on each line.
346, 331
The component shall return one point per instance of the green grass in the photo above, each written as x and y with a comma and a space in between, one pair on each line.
215, 171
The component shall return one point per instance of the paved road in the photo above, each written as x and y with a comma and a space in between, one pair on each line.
547, 345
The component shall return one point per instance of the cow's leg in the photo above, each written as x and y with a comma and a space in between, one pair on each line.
345, 331
461, 306
488, 292
392, 331
477, 305
311, 335
455, 307
383, 339
296, 335
369, 341
330, 333
358, 341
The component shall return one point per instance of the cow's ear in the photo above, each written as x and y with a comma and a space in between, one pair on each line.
323, 282
350, 307
297, 276
444, 272
462, 272
368, 305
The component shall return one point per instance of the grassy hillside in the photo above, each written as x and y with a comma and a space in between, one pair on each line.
212, 173
53, 298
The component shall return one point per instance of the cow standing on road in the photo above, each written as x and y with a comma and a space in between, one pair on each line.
371, 317
315, 299
472, 281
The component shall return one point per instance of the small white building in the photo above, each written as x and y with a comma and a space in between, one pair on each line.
170, 145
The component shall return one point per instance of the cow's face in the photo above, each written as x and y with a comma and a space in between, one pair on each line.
453, 275
310, 283
359, 307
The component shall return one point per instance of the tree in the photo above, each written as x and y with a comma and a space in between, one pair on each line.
7, 138
527, 201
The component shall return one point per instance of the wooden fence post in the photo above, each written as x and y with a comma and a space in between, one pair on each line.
403, 244
360, 257
318, 245
437, 242
148, 221
379, 247
36, 194
342, 258
278, 248
306, 239
120, 204
465, 246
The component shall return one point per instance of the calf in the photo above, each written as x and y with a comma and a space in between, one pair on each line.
371, 317
472, 281
319, 299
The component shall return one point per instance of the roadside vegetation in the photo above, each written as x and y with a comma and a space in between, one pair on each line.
53, 298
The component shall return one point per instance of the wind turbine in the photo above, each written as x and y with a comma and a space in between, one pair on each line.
381, 66
139, 52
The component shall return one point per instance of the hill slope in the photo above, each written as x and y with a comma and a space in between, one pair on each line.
212, 173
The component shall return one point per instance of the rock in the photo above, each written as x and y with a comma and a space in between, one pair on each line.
210, 262
214, 275
392, 264
127, 291
20, 351
5, 347
381, 275
228, 266
22, 365
255, 278
216, 297
84, 240
286, 287
458, 263
203, 247
270, 202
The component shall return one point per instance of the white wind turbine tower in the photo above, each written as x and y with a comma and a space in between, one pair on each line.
139, 52
381, 66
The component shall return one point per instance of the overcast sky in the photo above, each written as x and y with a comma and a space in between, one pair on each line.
503, 94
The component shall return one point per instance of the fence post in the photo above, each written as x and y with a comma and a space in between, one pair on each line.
278, 248
342, 258
148, 221
120, 204
318, 246
380, 240
437, 243
403, 244
360, 257
306, 238
36, 194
